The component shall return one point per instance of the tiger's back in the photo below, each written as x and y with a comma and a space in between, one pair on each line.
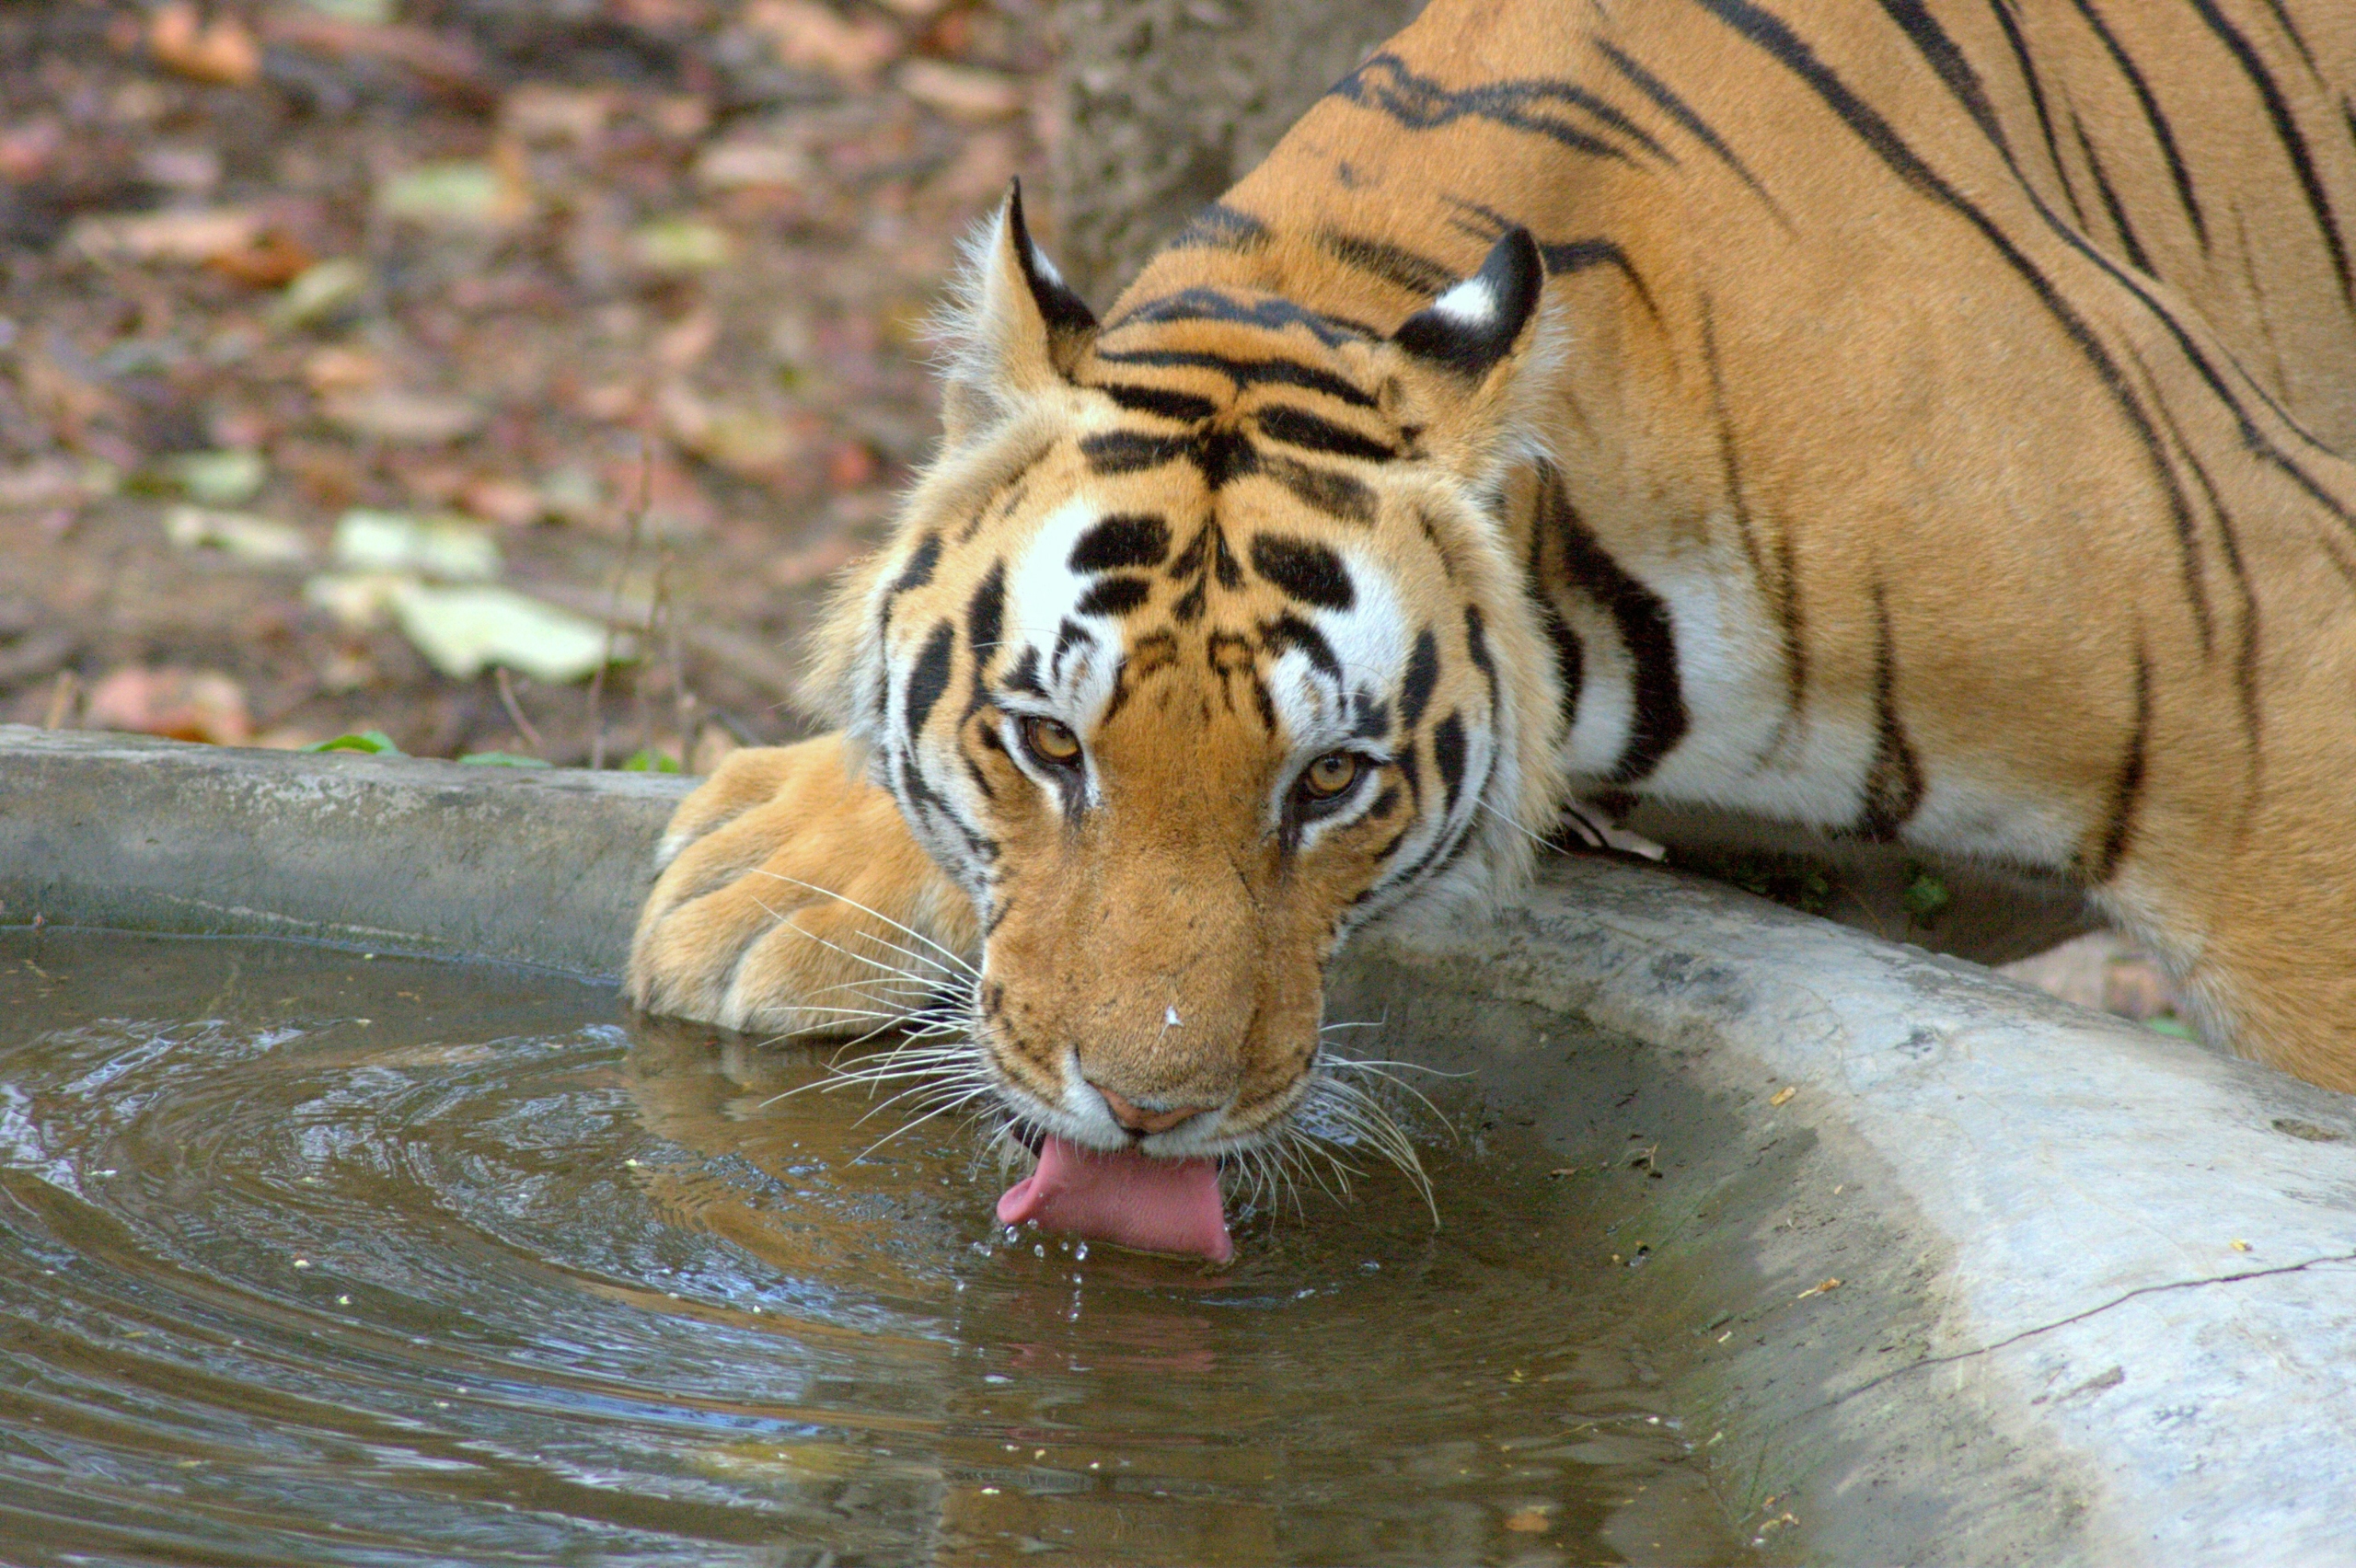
1947, 427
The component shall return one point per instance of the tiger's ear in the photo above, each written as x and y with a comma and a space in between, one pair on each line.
1019, 328
1459, 370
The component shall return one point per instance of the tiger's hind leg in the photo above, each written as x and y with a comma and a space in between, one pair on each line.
792, 899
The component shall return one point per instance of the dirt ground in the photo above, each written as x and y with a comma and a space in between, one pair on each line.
329, 327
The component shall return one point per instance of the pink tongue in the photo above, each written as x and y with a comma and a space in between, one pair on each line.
1131, 1200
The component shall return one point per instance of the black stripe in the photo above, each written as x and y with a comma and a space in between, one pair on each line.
1337, 495
1024, 677
1939, 53
2291, 31
986, 615
2027, 69
1224, 457
1423, 676
2136, 255
985, 622
1780, 588
1476, 646
1304, 568
915, 575
2152, 117
1448, 754
928, 679
1893, 789
1245, 372
1660, 720
1136, 540
2127, 782
1266, 311
1113, 597
2287, 131
1115, 452
1563, 258
1570, 657
2246, 674
1069, 635
1184, 406
1386, 86
1221, 227
1288, 631
1694, 125
1299, 427
1392, 263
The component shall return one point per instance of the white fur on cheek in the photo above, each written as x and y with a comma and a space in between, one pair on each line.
1043, 593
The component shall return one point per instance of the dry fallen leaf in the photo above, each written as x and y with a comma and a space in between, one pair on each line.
263, 541
179, 704
223, 53
1819, 1289
464, 631
272, 260
509, 502
961, 92
814, 38
744, 163
1530, 1521
370, 541
404, 419
191, 235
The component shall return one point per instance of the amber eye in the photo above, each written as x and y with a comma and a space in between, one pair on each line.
1331, 774
1051, 741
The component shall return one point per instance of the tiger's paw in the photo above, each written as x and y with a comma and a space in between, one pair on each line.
792, 898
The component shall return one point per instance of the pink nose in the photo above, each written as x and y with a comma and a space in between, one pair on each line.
1141, 1121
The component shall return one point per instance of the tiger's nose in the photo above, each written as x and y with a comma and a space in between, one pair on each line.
1140, 1122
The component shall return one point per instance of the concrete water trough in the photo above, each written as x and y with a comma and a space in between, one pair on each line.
2096, 1295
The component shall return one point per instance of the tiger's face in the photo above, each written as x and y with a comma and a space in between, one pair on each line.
1197, 649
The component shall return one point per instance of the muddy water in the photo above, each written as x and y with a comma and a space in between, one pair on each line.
307, 1258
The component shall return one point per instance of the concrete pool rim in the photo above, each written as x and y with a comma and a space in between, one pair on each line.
2097, 1295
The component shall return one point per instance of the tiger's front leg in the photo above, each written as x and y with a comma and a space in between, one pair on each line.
792, 899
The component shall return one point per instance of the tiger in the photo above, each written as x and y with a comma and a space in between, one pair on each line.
1918, 421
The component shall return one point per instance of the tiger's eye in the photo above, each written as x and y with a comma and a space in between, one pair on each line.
1331, 774
1051, 741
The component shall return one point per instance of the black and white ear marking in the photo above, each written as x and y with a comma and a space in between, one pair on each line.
1472, 325
1065, 314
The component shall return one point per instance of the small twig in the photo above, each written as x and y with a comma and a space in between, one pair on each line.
614, 603
515, 712
657, 610
63, 697
683, 701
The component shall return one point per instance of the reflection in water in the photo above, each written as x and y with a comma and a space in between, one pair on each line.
306, 1257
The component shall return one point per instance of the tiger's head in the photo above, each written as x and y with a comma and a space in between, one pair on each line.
1198, 647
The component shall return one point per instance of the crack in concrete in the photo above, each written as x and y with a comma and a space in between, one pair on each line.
2096, 1311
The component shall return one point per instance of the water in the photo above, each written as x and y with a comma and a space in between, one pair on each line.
308, 1258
